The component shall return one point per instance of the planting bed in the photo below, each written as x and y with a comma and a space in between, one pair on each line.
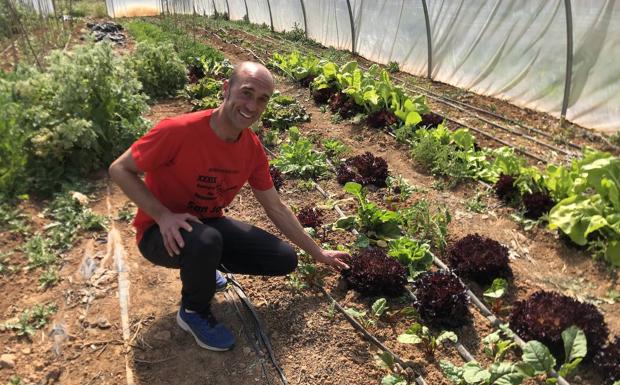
312, 342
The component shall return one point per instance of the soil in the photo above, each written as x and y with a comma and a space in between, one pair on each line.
312, 342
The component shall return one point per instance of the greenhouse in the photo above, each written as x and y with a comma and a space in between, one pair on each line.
387, 192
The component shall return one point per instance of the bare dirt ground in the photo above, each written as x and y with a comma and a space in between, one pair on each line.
313, 343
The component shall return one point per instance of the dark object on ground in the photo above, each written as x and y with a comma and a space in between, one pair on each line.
276, 177
545, 315
310, 216
372, 272
441, 299
365, 169
107, 30
431, 120
382, 118
607, 361
506, 189
344, 105
537, 204
479, 258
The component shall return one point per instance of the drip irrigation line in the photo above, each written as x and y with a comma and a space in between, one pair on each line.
419, 379
248, 336
493, 137
452, 103
259, 326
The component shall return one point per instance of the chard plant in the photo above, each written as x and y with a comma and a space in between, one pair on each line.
335, 150
297, 157
420, 334
376, 223
536, 359
495, 293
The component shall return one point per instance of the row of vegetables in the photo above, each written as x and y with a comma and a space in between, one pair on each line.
393, 248
582, 200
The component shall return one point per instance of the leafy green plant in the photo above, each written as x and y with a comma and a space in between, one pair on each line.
536, 359
49, 278
415, 255
476, 204
13, 219
5, 267
283, 112
39, 251
335, 149
393, 67
376, 223
32, 319
499, 343
298, 158
420, 334
77, 116
400, 187
420, 223
126, 213
495, 293
159, 69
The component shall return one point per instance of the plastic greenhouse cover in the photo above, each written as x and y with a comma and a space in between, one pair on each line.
42, 7
515, 50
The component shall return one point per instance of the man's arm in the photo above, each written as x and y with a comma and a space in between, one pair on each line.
124, 172
287, 223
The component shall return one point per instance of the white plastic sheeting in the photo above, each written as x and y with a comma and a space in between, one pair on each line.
516, 50
42, 7
130, 8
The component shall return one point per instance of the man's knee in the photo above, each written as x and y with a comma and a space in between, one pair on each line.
202, 240
289, 259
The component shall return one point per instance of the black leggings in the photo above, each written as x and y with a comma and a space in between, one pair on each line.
218, 242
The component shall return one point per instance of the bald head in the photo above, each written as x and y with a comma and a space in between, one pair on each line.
251, 69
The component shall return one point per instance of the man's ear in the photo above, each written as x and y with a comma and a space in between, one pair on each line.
225, 89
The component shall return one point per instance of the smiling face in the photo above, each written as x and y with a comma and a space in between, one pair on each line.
246, 95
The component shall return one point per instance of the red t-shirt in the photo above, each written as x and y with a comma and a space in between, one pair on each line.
191, 170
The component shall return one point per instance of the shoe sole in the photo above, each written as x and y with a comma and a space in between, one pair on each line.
186, 327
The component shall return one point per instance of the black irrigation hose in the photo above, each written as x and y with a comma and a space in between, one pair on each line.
258, 325
359, 327
451, 103
248, 335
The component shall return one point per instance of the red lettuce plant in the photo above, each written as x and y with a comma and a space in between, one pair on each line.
276, 177
372, 272
607, 361
344, 105
544, 315
479, 258
364, 169
536, 204
381, 118
323, 95
441, 299
431, 120
506, 189
310, 216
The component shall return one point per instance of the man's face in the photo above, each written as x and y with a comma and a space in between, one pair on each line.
246, 99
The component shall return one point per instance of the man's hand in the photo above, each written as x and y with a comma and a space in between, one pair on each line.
169, 225
333, 258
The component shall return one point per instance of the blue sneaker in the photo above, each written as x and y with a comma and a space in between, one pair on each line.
221, 283
208, 333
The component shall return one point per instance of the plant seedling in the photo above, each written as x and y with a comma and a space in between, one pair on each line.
495, 293
420, 334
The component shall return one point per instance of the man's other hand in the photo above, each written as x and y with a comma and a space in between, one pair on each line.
169, 225
334, 258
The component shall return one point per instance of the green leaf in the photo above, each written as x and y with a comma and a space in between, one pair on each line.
353, 188
407, 338
345, 222
505, 373
473, 373
447, 336
452, 372
575, 344
497, 289
569, 367
538, 356
413, 118
379, 307
391, 379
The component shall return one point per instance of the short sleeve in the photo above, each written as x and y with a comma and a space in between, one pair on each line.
260, 178
157, 147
